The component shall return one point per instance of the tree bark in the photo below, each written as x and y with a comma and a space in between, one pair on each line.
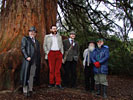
16, 17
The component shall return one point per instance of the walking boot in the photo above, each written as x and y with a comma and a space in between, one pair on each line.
104, 88
98, 89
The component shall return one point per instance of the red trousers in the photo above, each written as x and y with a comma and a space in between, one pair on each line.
55, 63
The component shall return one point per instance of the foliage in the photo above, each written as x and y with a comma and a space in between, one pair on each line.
103, 17
121, 58
113, 23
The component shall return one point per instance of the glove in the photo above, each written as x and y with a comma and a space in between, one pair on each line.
97, 64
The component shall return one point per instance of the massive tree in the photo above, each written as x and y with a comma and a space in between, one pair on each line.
16, 17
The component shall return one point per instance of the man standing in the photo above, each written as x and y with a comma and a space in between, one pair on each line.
72, 49
53, 48
88, 67
100, 60
30, 48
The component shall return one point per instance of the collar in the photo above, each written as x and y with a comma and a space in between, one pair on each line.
53, 35
70, 39
100, 48
32, 37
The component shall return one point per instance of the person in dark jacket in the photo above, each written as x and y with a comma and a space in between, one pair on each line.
88, 67
30, 48
70, 64
100, 60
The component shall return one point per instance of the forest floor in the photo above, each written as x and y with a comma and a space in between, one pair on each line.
120, 88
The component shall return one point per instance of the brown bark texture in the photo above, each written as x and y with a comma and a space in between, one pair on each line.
16, 17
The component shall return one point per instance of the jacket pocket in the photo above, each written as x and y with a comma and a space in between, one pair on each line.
104, 69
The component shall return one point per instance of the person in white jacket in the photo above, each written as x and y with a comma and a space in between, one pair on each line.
88, 67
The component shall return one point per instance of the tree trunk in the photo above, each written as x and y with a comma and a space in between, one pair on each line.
16, 17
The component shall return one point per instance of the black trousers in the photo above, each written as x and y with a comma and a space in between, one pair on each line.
48, 71
70, 75
89, 77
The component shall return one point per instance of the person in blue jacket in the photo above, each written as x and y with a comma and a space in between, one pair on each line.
100, 59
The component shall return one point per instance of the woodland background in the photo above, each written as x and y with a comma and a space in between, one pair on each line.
86, 17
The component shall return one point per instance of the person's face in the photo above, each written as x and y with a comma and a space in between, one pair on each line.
32, 34
72, 36
54, 29
100, 43
91, 45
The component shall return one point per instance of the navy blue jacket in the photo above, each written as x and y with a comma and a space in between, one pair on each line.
101, 55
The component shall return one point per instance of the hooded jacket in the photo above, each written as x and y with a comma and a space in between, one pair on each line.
101, 55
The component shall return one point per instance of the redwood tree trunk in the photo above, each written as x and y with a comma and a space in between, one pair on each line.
16, 17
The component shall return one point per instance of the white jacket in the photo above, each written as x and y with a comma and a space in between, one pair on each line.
86, 51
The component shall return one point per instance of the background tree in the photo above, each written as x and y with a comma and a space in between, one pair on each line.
108, 19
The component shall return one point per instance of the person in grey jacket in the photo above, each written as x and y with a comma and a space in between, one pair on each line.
53, 48
69, 79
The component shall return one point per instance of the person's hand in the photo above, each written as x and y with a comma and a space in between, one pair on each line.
97, 64
29, 59
63, 61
